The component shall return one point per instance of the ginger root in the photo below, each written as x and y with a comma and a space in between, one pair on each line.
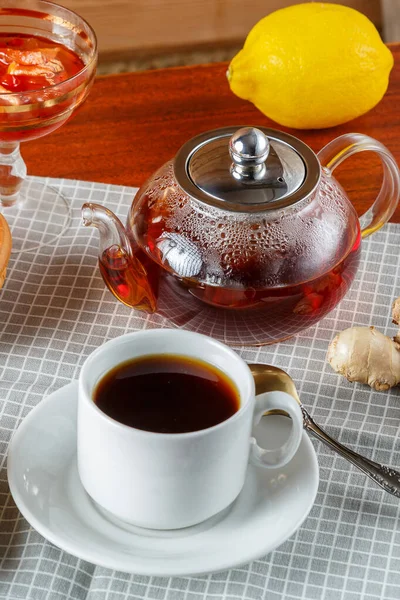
365, 355
396, 318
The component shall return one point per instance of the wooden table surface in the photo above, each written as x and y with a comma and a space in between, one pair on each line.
132, 123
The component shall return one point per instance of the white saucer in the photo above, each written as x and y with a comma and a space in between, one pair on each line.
45, 485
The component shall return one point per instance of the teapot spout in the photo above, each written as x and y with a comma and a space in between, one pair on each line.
123, 273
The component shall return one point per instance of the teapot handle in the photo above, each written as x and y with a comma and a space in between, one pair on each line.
385, 204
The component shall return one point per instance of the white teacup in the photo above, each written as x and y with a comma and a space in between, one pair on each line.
171, 481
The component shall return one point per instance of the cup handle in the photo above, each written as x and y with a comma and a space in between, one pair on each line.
278, 457
385, 204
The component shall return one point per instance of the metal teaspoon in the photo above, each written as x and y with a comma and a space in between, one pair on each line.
268, 378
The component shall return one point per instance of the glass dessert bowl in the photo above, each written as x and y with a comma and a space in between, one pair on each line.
245, 236
48, 57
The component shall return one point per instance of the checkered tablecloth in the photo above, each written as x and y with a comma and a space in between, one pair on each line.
55, 310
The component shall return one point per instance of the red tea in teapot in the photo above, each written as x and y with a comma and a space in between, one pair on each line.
267, 317
264, 304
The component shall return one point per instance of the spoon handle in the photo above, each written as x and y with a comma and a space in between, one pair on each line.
386, 477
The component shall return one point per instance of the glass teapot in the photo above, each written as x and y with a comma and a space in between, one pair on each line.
245, 236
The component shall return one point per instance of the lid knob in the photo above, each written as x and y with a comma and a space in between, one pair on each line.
249, 149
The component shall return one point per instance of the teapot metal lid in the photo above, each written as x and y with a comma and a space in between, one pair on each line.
247, 169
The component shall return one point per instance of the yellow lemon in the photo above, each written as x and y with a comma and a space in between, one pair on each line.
312, 65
